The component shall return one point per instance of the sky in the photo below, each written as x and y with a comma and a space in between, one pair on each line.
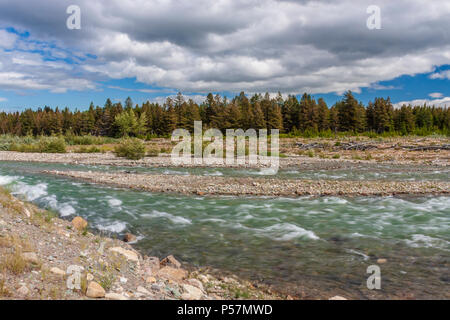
152, 49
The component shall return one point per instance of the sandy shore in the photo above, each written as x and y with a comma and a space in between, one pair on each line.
205, 185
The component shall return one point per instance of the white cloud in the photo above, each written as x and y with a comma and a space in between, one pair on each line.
7, 40
442, 103
3, 99
233, 45
441, 75
436, 95
162, 99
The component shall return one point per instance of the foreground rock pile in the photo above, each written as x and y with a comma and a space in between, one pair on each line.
43, 257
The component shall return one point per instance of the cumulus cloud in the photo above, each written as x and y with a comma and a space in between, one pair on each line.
197, 98
232, 45
442, 103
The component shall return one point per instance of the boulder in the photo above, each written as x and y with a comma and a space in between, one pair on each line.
95, 290
191, 292
170, 261
381, 261
170, 273
79, 223
31, 257
128, 237
150, 279
128, 254
196, 283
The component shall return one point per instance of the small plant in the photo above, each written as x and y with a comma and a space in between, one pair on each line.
15, 263
311, 154
336, 156
133, 149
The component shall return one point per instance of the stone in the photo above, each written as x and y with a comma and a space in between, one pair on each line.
337, 298
115, 296
58, 271
170, 273
150, 279
79, 223
89, 277
143, 291
151, 265
128, 254
191, 292
123, 280
196, 283
95, 290
31, 257
128, 237
23, 291
170, 261
381, 261
203, 278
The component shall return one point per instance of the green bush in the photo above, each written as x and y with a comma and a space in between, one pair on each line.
133, 149
52, 145
43, 145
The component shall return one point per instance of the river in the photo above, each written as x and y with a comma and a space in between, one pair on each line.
307, 247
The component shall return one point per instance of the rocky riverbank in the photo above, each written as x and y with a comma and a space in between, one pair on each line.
45, 258
206, 185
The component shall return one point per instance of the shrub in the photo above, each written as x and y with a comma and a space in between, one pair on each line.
133, 149
52, 145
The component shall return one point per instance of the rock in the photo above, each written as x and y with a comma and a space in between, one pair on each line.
23, 291
337, 298
191, 292
170, 273
95, 290
115, 296
170, 261
58, 271
151, 265
143, 291
89, 277
203, 278
150, 280
123, 280
79, 223
31, 257
129, 237
381, 261
196, 283
128, 254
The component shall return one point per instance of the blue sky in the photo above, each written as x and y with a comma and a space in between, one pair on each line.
148, 51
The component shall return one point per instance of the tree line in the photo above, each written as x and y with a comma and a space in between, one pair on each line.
290, 115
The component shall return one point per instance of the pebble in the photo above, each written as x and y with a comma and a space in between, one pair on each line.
23, 290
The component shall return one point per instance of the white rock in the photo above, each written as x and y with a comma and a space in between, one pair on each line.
89, 277
196, 283
115, 296
337, 298
143, 290
123, 280
128, 254
58, 271
23, 290
191, 292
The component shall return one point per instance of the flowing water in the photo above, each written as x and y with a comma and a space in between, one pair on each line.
308, 247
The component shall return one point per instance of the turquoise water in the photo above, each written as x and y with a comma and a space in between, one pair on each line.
308, 247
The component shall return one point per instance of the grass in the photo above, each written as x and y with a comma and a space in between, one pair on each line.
15, 263
4, 292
